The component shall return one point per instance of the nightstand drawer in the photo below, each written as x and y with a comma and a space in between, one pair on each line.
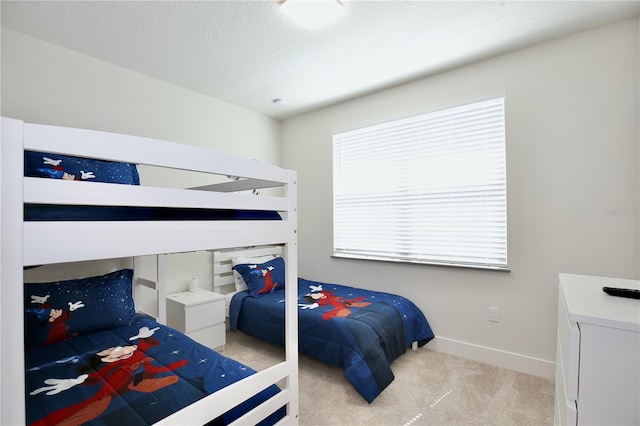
213, 337
203, 315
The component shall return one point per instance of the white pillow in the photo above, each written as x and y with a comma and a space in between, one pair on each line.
240, 284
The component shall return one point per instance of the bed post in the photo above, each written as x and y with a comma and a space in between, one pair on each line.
161, 287
12, 381
291, 297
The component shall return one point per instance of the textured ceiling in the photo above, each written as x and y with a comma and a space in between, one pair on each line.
247, 53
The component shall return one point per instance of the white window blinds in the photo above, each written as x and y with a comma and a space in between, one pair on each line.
428, 188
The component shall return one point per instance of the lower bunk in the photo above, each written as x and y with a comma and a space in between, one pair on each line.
91, 359
136, 374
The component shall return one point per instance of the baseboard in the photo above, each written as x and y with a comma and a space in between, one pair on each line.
499, 358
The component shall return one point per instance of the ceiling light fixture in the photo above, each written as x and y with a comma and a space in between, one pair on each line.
312, 14
279, 102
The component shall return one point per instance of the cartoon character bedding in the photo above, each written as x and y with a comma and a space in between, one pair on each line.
65, 167
91, 360
361, 331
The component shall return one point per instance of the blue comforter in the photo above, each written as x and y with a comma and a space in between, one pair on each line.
131, 375
361, 331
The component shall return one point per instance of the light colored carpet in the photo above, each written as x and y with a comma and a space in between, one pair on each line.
430, 388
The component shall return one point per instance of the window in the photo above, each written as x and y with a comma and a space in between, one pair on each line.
429, 188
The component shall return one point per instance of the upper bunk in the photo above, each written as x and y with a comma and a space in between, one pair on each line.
230, 181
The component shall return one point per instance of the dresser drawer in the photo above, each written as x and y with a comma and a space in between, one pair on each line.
568, 349
566, 412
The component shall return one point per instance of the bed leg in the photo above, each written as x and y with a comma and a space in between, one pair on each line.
414, 345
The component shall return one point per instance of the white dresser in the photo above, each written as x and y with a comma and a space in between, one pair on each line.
198, 314
598, 353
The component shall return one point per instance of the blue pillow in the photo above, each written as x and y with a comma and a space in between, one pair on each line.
262, 278
60, 310
56, 166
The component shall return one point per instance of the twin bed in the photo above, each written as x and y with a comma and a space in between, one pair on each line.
358, 330
76, 351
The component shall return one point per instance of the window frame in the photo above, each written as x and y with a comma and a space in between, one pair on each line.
430, 112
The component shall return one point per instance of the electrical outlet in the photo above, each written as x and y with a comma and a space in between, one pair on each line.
493, 315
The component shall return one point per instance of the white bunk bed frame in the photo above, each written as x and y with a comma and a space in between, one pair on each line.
40, 243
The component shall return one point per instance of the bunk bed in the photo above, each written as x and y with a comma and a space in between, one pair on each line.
31, 241
358, 330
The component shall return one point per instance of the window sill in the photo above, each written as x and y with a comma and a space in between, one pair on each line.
426, 263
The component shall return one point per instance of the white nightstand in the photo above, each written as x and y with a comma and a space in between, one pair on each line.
199, 315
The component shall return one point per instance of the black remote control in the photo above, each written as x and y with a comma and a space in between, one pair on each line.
622, 292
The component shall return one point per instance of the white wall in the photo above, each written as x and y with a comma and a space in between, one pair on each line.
572, 154
44, 83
